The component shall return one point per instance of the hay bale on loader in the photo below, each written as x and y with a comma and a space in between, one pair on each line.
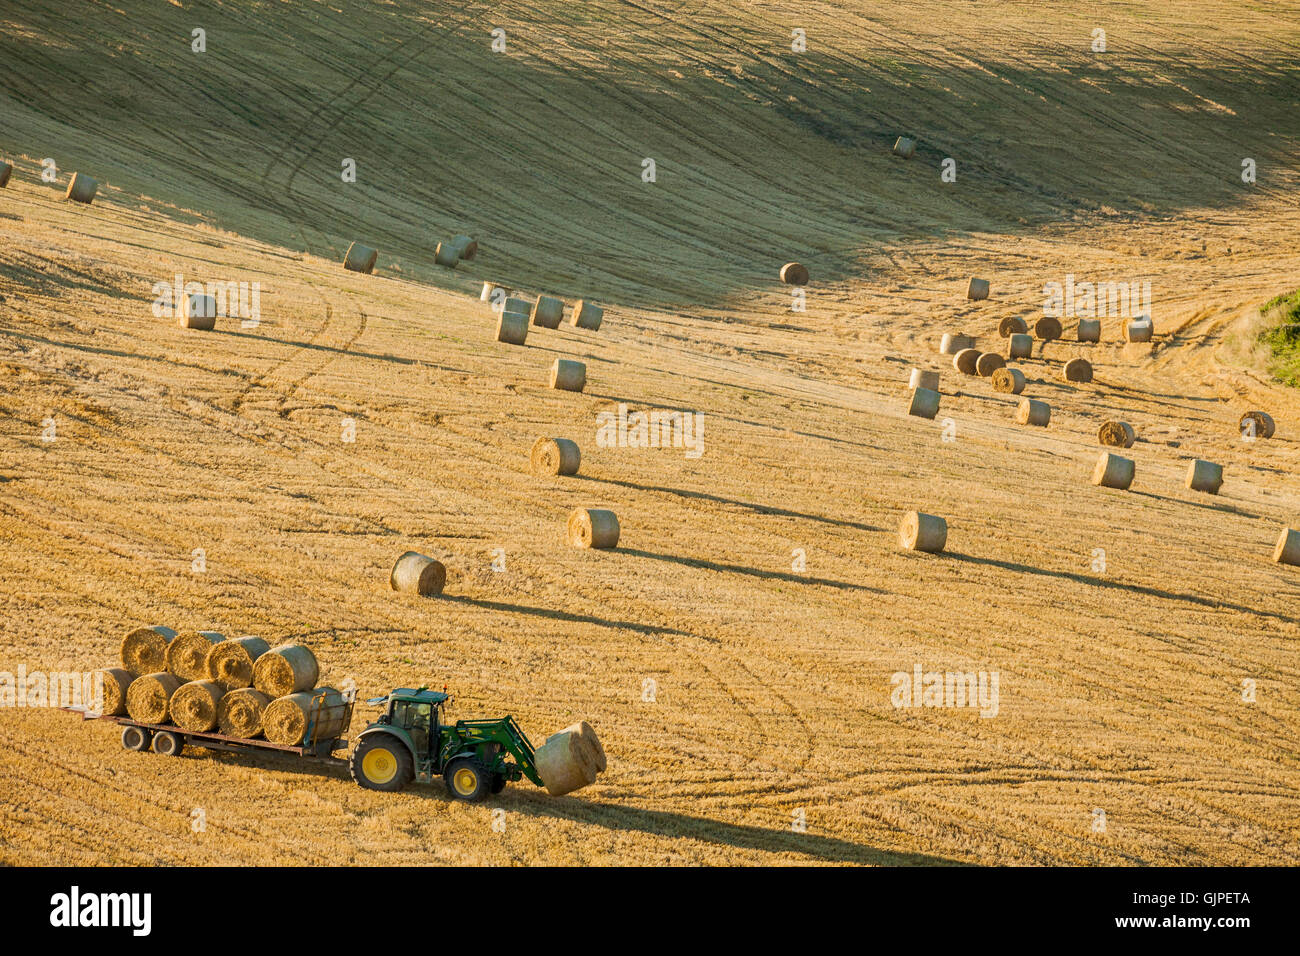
187, 655
1117, 434
924, 403
1257, 424
586, 315
922, 532
230, 663
239, 713
194, 705
1012, 325
549, 312
415, 573
593, 528
285, 670
555, 456
794, 273
144, 649
198, 312
149, 697
1009, 380
360, 258
1204, 476
285, 720
1113, 471
568, 375
82, 189
116, 683
570, 759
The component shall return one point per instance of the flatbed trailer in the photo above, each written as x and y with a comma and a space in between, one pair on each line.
169, 740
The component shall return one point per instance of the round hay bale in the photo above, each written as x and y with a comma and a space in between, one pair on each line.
1260, 423
148, 697
954, 342
360, 258
1012, 325
1116, 434
549, 312
593, 528
287, 719
144, 649
924, 378
567, 761
555, 456
1139, 330
1033, 412
444, 254
1077, 370
230, 663
1287, 550
464, 247
1009, 380
966, 360
988, 363
924, 403
794, 273
286, 669
1204, 476
194, 705
1020, 345
1048, 328
905, 146
586, 315
6, 170
519, 304
512, 328
116, 683
977, 289
239, 714
568, 375
1089, 330
82, 188
922, 532
493, 294
198, 312
187, 655
1113, 471
413, 573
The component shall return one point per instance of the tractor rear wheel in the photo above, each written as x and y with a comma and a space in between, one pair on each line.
135, 738
467, 780
383, 763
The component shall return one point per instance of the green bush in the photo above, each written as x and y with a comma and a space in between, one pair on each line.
1282, 336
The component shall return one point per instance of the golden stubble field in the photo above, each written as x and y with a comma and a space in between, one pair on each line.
1120, 690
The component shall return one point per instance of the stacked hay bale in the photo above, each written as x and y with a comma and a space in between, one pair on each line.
570, 759
187, 655
288, 719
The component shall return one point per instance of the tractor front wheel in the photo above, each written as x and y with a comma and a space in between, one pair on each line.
382, 763
467, 780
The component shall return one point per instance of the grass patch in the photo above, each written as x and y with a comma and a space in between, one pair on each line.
1281, 336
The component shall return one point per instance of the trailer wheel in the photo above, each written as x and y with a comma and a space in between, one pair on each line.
382, 762
135, 738
467, 780
168, 744
498, 782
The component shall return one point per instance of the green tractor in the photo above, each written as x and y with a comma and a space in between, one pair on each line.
411, 742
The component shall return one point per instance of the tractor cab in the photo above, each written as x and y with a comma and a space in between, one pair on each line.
418, 713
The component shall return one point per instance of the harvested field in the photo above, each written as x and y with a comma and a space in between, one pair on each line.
208, 480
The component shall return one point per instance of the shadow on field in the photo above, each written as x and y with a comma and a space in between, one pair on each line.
752, 572
749, 506
679, 825
1120, 586
570, 617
